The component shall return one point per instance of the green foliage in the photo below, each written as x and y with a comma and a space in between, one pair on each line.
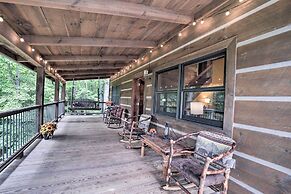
49, 91
18, 84
85, 89
17, 88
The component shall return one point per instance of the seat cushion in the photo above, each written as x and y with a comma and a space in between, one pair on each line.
191, 169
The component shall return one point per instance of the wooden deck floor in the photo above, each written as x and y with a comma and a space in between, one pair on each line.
84, 157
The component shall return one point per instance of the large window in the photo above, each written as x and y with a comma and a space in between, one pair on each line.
166, 94
201, 92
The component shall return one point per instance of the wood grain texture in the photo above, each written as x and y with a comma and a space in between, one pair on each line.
111, 7
261, 177
273, 82
83, 41
271, 50
267, 147
84, 157
272, 115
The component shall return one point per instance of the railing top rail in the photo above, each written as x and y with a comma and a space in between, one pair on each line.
16, 111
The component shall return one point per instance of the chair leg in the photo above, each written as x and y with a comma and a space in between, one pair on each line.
201, 186
225, 184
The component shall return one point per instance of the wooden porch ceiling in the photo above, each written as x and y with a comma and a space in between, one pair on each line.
70, 35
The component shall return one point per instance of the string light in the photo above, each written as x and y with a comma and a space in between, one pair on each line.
194, 23
135, 60
21, 39
1, 19
32, 49
45, 62
40, 58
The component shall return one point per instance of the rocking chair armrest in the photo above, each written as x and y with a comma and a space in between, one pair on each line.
143, 120
225, 153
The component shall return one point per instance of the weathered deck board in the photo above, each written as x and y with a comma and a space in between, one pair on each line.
85, 157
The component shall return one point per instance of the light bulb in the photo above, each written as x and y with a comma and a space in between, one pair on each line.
151, 51
241, 1
21, 39
180, 34
142, 58
227, 13
202, 22
162, 45
194, 23
1, 19
32, 49
45, 62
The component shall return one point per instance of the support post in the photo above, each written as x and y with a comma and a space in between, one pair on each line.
57, 91
40, 93
63, 97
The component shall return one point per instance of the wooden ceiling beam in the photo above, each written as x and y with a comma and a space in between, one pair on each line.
111, 7
69, 78
11, 40
84, 41
88, 72
75, 67
61, 58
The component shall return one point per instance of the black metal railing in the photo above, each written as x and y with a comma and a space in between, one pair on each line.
20, 127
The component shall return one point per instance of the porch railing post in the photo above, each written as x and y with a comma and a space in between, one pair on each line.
40, 94
57, 90
63, 97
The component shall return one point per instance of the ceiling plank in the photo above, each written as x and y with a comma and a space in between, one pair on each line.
88, 72
70, 78
88, 66
111, 7
60, 58
82, 41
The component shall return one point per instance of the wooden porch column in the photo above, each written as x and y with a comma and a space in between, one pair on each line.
63, 97
40, 93
57, 91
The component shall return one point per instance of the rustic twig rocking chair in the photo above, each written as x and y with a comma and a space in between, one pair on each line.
132, 130
115, 116
209, 166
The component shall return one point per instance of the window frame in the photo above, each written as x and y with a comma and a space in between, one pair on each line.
213, 56
181, 90
156, 91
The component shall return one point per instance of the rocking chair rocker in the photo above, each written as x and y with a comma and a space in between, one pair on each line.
209, 166
132, 130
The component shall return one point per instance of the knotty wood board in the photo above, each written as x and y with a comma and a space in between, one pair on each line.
272, 115
85, 156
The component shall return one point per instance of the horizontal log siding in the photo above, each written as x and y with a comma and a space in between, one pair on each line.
253, 175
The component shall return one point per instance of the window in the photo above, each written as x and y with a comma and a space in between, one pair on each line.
203, 91
166, 94
115, 94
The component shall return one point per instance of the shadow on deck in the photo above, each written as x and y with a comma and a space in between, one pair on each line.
84, 157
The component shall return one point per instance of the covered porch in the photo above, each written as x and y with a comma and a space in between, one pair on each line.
218, 68
84, 156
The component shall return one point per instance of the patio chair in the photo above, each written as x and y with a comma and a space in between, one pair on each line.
208, 166
133, 130
110, 110
115, 117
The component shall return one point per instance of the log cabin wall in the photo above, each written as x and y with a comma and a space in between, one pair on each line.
257, 39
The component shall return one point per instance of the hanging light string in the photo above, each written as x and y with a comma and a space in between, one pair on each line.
39, 58
225, 9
